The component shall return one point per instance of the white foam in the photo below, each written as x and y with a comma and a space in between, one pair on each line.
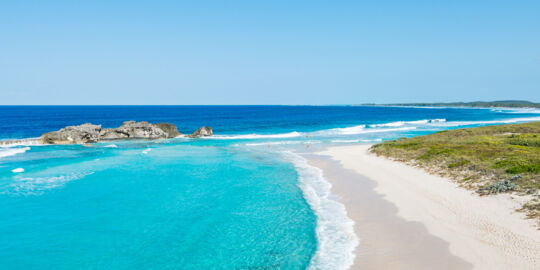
19, 142
281, 143
111, 146
518, 110
378, 130
38, 185
335, 230
145, 151
416, 122
6, 152
347, 131
18, 170
256, 136
356, 141
488, 122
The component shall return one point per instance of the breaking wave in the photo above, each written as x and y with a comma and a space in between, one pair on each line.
38, 185
256, 136
356, 141
403, 123
19, 142
335, 230
281, 143
6, 152
487, 122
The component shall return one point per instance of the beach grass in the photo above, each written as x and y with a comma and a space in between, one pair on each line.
491, 159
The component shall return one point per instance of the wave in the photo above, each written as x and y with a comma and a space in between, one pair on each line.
335, 230
18, 170
38, 185
281, 143
111, 146
356, 130
19, 142
518, 110
356, 141
256, 136
145, 151
487, 122
444, 123
347, 130
416, 122
12, 151
378, 130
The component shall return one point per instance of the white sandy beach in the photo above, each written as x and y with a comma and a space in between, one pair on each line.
437, 217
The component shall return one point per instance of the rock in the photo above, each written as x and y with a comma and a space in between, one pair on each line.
170, 129
112, 134
86, 133
89, 133
137, 130
202, 132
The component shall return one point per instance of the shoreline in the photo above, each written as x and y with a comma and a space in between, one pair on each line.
336, 239
408, 219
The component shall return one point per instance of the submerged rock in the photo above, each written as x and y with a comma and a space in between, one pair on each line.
88, 133
202, 132
85, 133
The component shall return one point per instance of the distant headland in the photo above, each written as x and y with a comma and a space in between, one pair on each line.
499, 103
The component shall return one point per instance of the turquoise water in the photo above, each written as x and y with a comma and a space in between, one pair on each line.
154, 206
244, 199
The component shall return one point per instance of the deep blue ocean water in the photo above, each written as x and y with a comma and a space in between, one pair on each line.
242, 199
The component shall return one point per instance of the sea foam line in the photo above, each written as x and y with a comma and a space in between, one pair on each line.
12, 151
335, 230
19, 142
487, 122
38, 185
256, 136
358, 140
415, 122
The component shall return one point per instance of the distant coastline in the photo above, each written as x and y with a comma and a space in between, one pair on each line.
489, 104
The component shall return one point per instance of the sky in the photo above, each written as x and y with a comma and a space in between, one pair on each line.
267, 52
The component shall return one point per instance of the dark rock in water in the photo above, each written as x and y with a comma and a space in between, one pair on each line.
202, 132
86, 133
170, 129
89, 133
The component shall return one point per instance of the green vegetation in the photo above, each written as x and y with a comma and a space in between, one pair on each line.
500, 103
493, 159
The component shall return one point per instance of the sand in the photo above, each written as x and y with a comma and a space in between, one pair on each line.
409, 219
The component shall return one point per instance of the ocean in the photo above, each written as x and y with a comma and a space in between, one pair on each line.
242, 199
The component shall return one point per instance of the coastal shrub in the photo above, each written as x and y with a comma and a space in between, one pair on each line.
530, 140
526, 168
436, 151
501, 186
533, 208
458, 163
486, 156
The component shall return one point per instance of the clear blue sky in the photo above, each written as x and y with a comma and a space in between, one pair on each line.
268, 52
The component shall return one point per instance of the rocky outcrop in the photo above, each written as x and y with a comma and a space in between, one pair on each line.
170, 129
86, 133
112, 134
135, 130
202, 132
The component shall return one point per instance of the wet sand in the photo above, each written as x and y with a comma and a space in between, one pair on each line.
408, 219
387, 241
